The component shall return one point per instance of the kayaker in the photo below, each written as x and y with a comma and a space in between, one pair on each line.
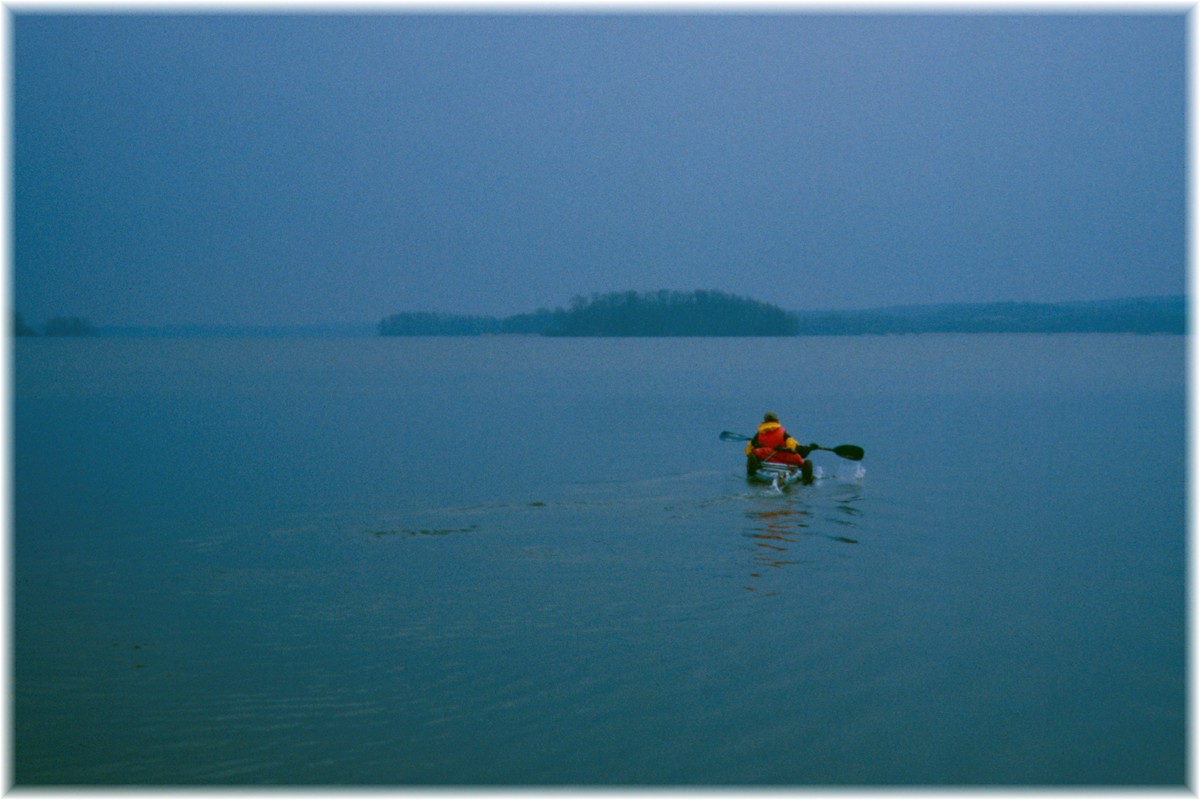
772, 443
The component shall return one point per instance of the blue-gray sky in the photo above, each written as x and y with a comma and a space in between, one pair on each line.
297, 169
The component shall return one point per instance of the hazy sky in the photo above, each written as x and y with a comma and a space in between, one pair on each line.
294, 169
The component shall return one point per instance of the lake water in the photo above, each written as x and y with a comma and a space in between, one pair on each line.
528, 561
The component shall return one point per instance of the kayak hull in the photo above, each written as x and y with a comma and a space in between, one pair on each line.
778, 476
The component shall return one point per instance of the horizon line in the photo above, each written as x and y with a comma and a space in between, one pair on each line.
360, 325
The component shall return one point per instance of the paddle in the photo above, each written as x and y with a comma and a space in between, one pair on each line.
849, 451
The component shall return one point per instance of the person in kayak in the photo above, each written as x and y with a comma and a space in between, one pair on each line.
772, 443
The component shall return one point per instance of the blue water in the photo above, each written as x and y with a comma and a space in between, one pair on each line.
527, 561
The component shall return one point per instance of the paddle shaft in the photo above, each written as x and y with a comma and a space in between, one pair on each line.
848, 451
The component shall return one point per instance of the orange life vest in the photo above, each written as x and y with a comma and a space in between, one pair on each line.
771, 434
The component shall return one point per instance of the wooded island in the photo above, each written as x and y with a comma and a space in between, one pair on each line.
715, 313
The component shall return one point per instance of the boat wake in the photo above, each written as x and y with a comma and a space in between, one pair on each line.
844, 471
661, 500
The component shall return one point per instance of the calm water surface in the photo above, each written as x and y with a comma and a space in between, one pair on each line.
531, 561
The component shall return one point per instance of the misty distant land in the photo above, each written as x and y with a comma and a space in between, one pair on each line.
713, 313
703, 313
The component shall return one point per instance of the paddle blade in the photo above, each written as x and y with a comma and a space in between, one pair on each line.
850, 451
730, 436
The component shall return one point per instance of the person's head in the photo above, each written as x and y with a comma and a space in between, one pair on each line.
770, 416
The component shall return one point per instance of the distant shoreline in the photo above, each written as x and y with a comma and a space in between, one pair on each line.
1140, 315
680, 315
708, 314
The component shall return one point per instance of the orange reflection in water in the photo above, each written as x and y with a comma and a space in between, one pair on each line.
773, 532
776, 532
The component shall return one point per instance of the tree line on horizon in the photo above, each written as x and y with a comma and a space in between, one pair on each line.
56, 326
715, 313
661, 313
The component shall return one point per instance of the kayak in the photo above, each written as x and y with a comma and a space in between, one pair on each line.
780, 476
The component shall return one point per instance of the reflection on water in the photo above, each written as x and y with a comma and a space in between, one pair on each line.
778, 535
773, 533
